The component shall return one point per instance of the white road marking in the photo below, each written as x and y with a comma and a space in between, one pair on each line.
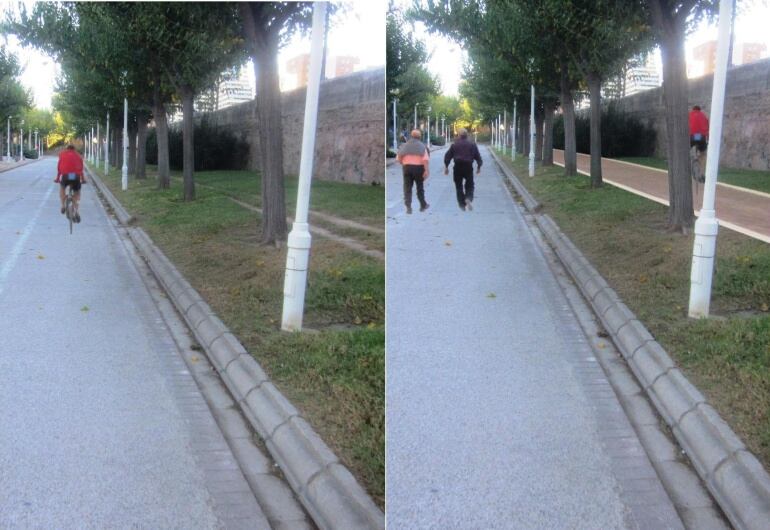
16, 250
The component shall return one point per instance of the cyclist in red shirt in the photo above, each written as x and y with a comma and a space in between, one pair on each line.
699, 134
70, 173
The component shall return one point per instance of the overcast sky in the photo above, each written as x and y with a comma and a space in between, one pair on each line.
750, 26
360, 32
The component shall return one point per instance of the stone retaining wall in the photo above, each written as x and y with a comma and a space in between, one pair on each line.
351, 120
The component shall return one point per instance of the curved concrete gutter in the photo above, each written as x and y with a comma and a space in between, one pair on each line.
326, 488
732, 474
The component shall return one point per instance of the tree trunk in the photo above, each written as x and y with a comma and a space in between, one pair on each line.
548, 133
568, 111
525, 133
188, 147
118, 148
522, 132
594, 91
141, 147
274, 227
680, 212
539, 136
131, 146
161, 135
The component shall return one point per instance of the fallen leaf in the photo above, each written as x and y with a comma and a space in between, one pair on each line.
370, 325
40, 256
357, 321
601, 345
765, 308
194, 359
491, 295
85, 309
643, 278
448, 243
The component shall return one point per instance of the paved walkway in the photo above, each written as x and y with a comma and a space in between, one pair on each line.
498, 415
101, 424
741, 210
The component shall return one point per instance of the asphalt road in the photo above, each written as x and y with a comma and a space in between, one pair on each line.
498, 415
101, 424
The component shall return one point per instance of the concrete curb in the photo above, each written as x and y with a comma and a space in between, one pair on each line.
27, 161
732, 474
326, 488
123, 216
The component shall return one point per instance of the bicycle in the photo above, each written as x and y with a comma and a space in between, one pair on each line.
69, 206
696, 171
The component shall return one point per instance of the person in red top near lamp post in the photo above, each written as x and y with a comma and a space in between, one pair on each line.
70, 173
699, 134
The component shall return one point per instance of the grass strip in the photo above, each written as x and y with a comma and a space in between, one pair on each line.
624, 236
334, 372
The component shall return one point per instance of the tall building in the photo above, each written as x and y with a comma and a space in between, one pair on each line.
298, 69
235, 90
705, 56
636, 77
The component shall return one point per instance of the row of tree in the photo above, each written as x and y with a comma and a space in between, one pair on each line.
14, 98
159, 55
563, 47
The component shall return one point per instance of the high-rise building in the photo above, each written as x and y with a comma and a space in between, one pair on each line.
233, 89
705, 56
298, 69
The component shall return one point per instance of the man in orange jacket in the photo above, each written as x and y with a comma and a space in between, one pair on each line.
70, 173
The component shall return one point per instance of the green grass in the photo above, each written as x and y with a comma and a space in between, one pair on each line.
728, 356
335, 371
357, 202
745, 178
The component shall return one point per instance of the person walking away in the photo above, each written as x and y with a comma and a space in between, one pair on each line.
69, 172
699, 133
464, 152
414, 157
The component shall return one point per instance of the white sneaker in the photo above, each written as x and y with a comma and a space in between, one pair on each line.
469, 204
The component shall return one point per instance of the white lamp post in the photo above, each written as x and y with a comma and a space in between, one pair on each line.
107, 146
505, 129
299, 238
124, 169
415, 115
21, 140
97, 151
532, 134
395, 137
9, 137
513, 133
37, 147
707, 225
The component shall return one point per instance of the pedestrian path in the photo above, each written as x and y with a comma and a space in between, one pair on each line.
738, 209
101, 424
498, 415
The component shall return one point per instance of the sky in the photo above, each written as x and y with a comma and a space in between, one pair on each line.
359, 31
750, 26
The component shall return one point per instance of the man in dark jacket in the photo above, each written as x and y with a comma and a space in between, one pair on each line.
464, 152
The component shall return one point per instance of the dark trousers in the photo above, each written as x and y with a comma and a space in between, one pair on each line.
463, 171
413, 175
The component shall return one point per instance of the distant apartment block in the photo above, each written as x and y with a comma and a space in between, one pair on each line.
635, 79
228, 92
298, 69
705, 56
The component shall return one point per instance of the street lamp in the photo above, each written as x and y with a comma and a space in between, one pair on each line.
107, 146
21, 140
443, 132
428, 128
124, 169
297, 257
37, 147
394, 93
707, 224
532, 133
513, 133
9, 137
415, 114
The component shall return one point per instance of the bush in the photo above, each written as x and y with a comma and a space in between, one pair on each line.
30, 153
215, 148
481, 137
437, 140
622, 134
390, 153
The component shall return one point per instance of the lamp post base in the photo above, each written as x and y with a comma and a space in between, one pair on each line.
297, 259
704, 250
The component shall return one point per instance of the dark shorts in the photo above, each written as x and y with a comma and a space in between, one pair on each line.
74, 184
702, 143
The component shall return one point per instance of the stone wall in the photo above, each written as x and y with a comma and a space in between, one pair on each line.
746, 127
351, 120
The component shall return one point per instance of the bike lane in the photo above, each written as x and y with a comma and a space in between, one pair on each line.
101, 423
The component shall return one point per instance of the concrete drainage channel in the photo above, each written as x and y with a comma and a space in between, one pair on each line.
736, 479
325, 487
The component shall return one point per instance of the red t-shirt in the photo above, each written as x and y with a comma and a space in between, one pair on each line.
699, 123
70, 162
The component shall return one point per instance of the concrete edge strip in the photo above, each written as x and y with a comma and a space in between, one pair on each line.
334, 501
27, 162
732, 474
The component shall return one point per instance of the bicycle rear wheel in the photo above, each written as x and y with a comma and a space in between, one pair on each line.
68, 208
